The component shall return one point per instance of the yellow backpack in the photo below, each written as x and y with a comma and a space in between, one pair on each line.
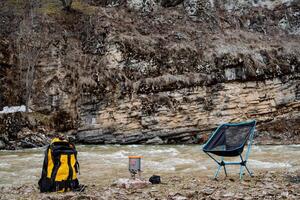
60, 167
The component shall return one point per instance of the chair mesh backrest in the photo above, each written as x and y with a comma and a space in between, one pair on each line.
230, 137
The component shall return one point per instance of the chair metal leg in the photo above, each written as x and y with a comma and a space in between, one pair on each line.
241, 172
244, 164
247, 155
225, 170
250, 173
217, 172
242, 167
221, 164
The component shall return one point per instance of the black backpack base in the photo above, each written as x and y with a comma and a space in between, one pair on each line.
46, 185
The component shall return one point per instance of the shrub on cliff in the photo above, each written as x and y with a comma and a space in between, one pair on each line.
67, 4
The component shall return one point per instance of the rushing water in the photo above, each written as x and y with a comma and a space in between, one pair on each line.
103, 164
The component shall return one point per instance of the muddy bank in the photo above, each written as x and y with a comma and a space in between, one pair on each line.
271, 184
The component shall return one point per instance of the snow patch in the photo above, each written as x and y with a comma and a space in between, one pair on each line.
14, 109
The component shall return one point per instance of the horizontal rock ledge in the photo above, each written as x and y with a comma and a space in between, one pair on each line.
168, 136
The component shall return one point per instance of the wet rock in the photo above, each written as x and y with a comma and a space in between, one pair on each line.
2, 144
11, 123
110, 3
177, 196
228, 195
170, 3
156, 140
30, 139
294, 179
97, 136
142, 5
201, 8
16, 133
239, 196
207, 191
131, 183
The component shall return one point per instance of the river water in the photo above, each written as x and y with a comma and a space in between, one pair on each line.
103, 164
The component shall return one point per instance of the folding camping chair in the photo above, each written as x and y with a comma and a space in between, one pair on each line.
229, 141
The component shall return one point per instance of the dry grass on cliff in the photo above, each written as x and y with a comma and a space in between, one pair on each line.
49, 7
55, 7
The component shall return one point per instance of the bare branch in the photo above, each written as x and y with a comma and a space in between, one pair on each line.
29, 43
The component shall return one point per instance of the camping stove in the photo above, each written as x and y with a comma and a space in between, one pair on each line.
135, 166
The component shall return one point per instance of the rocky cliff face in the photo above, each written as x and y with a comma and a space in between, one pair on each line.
151, 71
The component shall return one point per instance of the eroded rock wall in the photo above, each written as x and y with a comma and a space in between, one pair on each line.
143, 71
178, 117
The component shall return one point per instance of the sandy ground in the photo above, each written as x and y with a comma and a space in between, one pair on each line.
271, 184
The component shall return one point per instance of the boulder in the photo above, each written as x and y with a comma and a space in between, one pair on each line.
156, 140
30, 139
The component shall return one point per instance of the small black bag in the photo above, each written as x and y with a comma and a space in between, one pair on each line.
154, 179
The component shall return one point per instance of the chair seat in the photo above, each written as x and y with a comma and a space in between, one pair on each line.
225, 153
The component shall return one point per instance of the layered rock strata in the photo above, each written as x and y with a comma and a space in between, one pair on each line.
150, 71
182, 115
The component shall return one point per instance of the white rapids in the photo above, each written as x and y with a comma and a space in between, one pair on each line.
103, 164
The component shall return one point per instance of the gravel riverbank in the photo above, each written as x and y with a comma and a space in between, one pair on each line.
271, 184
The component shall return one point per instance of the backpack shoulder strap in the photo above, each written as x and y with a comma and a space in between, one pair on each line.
45, 164
77, 167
